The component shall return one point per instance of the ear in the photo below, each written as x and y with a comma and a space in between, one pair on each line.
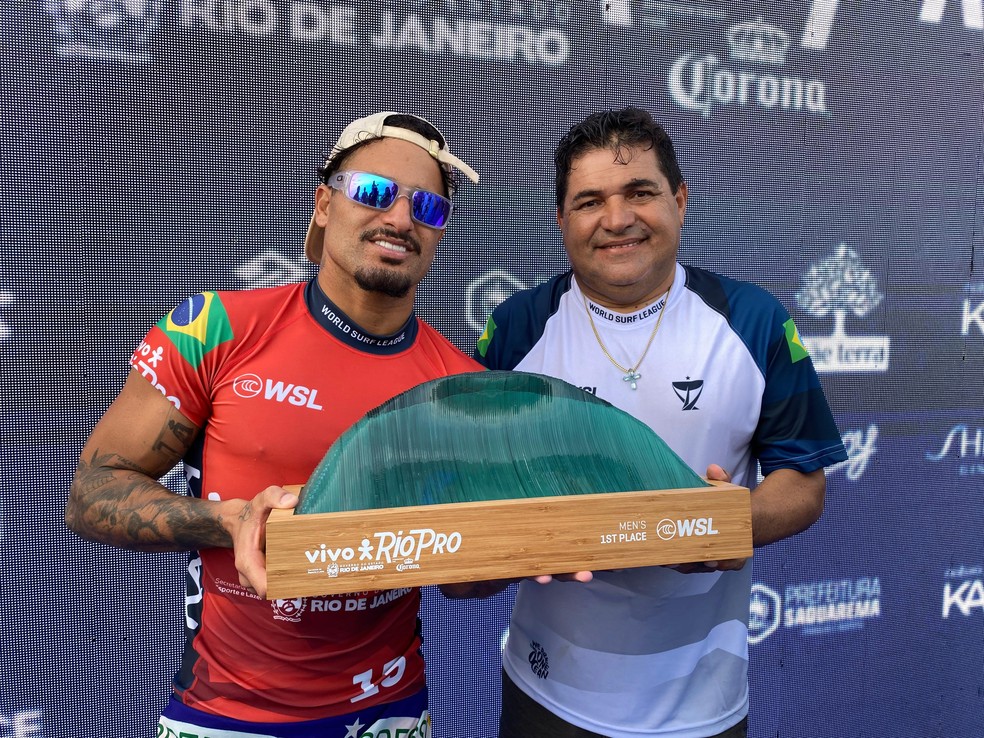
322, 197
560, 219
681, 200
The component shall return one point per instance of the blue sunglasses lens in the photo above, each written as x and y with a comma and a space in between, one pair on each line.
378, 192
372, 190
430, 209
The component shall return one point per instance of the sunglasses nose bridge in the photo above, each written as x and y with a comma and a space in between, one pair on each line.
397, 210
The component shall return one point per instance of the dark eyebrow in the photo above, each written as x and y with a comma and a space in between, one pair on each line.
641, 182
632, 184
585, 195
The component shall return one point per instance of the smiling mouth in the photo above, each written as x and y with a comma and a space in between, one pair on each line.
396, 248
620, 245
397, 244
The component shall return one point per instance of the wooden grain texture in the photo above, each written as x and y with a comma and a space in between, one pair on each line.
334, 553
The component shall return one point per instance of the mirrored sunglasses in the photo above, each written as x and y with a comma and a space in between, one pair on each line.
374, 191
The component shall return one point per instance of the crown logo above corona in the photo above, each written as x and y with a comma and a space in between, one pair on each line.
757, 41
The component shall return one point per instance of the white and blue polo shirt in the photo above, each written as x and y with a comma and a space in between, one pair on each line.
650, 651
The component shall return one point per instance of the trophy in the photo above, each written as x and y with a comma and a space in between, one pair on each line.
494, 475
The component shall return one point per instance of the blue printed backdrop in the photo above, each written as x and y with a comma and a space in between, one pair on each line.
153, 148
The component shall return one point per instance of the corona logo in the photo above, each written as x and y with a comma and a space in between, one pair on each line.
758, 42
703, 83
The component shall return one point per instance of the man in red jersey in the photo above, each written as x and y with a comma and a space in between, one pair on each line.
249, 389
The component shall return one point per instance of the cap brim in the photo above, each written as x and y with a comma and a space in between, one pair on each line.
314, 242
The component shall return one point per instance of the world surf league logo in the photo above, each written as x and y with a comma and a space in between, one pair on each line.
105, 29
836, 287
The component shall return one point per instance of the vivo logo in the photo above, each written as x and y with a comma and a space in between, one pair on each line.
324, 554
669, 529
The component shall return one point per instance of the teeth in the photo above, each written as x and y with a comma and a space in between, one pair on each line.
389, 246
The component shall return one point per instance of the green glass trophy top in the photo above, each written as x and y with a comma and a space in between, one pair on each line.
490, 436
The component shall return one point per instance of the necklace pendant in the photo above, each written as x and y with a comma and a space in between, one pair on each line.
632, 377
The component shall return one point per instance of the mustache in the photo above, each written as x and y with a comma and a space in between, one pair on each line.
406, 237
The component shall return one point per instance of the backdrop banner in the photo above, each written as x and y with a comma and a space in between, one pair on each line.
834, 154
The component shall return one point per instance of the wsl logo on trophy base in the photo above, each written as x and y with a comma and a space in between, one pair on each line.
105, 29
836, 286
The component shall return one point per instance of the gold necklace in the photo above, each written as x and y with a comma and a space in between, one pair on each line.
632, 375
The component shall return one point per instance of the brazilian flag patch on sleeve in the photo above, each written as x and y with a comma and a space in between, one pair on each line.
797, 351
486, 338
197, 326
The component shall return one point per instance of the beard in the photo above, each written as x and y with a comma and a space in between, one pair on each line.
389, 282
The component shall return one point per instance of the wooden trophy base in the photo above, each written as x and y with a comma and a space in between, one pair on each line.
390, 548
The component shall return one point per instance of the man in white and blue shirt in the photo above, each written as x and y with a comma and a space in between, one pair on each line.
716, 368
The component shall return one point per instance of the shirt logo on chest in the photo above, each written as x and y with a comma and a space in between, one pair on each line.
689, 392
249, 386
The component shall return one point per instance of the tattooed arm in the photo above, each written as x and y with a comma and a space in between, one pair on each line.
116, 499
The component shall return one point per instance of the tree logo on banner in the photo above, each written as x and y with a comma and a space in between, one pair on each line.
837, 286
105, 29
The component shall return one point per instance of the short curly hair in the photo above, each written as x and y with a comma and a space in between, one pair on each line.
616, 130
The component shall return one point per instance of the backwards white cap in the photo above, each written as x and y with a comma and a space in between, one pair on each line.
374, 126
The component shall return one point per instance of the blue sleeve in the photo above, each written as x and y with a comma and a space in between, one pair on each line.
516, 325
796, 429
